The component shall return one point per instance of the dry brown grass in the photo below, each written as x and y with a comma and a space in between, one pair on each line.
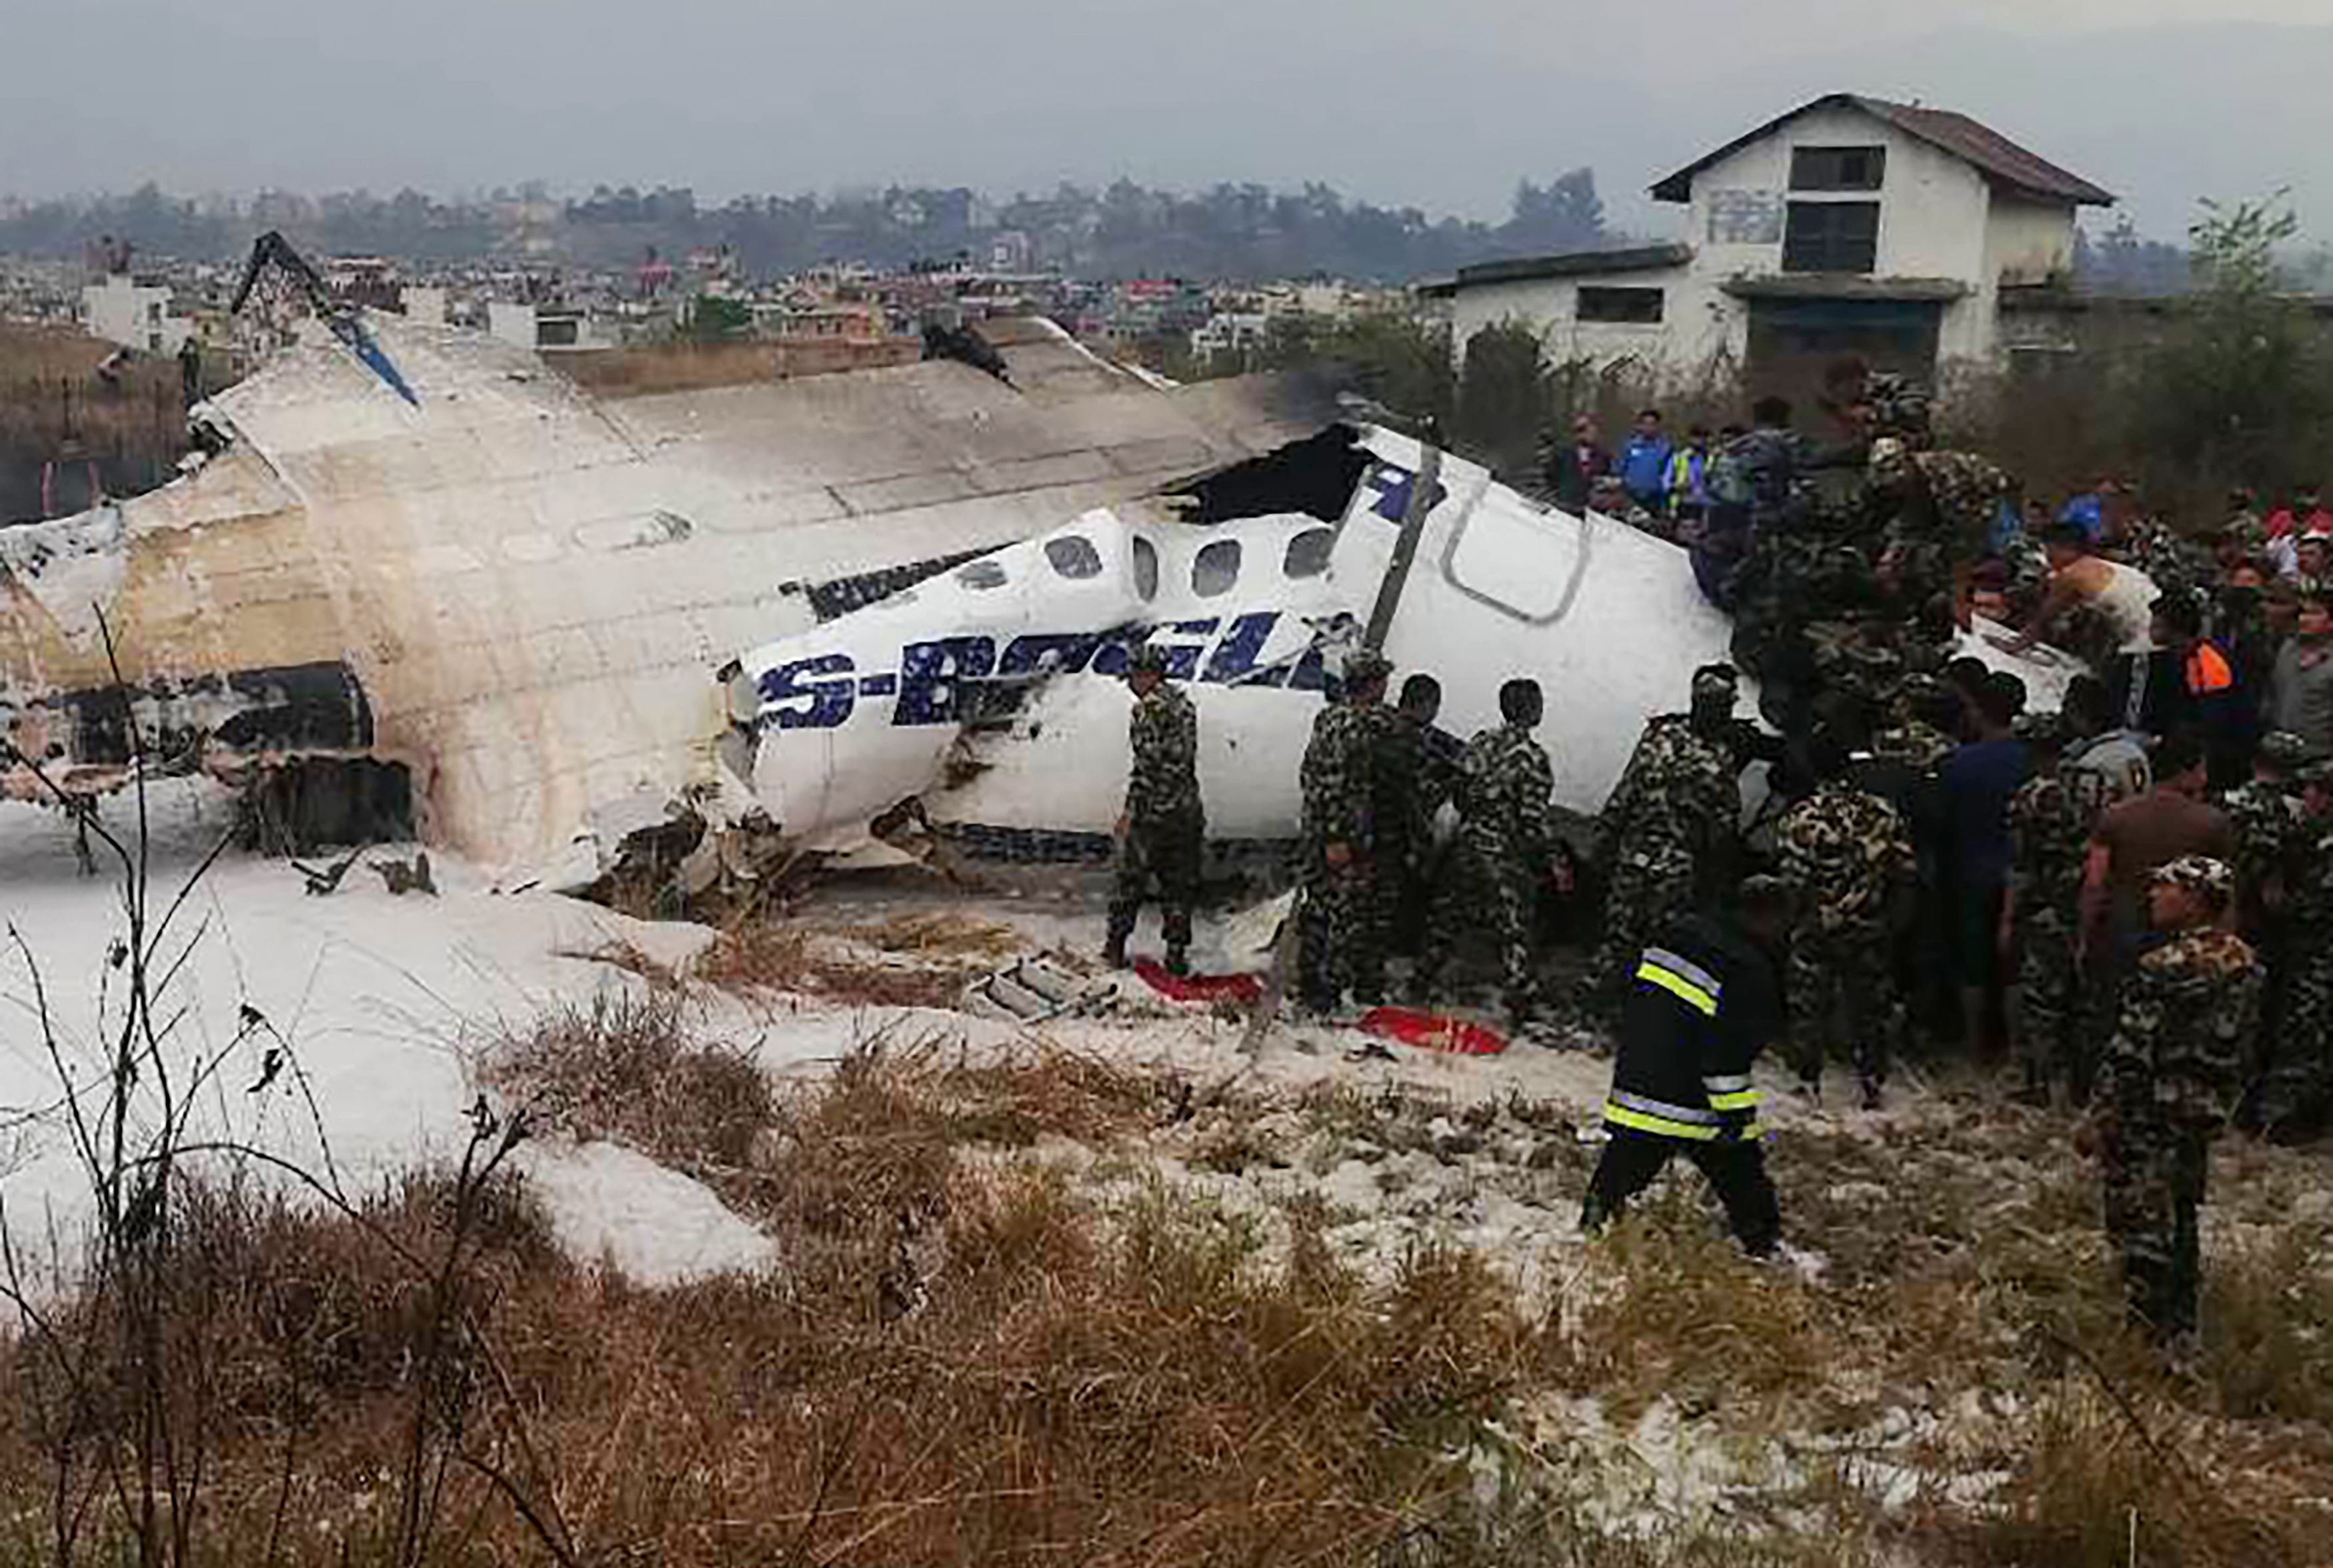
628, 1067
52, 406
290, 1345
960, 1362
1673, 1309
2109, 1481
915, 961
629, 957
970, 1356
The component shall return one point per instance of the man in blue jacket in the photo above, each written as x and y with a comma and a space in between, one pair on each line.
1705, 1000
1645, 464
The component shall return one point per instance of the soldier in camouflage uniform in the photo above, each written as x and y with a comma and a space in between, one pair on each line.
1846, 855
1894, 405
1669, 826
1914, 736
1417, 776
2169, 1080
1921, 736
1163, 826
2179, 565
1505, 846
2050, 833
1943, 505
2270, 829
2297, 1088
2265, 817
1343, 772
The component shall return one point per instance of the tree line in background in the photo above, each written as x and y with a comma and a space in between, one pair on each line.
2233, 387
1230, 232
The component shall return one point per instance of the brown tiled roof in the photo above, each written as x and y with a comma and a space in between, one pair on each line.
1998, 157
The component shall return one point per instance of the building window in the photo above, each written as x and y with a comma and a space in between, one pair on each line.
1642, 306
1216, 568
1831, 237
1308, 552
555, 334
1074, 556
1838, 167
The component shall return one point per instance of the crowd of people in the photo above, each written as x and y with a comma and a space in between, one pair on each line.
2115, 896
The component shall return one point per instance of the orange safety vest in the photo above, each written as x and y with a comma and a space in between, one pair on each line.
2208, 671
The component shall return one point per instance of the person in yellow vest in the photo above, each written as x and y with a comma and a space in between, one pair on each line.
1705, 1000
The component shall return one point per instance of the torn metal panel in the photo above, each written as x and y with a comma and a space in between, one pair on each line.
527, 587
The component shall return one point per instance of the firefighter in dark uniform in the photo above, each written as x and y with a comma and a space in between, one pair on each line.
1702, 1001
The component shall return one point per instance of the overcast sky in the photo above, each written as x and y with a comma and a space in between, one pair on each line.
1442, 103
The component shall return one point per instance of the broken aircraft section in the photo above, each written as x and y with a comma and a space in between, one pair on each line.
709, 631
518, 593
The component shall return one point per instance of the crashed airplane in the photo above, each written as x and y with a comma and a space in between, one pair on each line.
804, 606
519, 592
979, 694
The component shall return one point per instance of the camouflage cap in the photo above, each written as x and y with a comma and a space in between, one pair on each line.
2200, 875
1366, 665
1899, 407
2041, 729
2283, 748
1148, 659
1716, 681
2319, 771
1890, 461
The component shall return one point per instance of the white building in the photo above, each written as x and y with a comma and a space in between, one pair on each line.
121, 310
546, 330
1849, 224
1231, 331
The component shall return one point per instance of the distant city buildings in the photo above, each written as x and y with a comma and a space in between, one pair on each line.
522, 294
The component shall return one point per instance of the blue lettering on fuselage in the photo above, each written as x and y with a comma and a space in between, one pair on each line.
821, 692
792, 699
930, 672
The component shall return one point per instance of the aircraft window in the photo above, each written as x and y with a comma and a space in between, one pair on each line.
1216, 568
981, 574
1074, 556
1146, 569
1308, 552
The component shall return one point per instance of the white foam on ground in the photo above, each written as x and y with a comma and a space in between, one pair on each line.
611, 1205
382, 999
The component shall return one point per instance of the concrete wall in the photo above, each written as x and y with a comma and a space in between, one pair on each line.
1932, 213
1690, 335
510, 322
1939, 218
2028, 242
123, 310
1933, 220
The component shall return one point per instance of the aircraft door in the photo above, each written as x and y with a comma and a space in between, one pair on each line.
1517, 561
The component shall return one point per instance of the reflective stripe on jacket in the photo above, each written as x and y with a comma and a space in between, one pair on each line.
1701, 1003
